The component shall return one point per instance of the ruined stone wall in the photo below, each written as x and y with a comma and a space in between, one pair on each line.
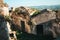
44, 17
3, 30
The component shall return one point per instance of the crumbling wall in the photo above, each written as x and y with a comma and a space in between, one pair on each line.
3, 30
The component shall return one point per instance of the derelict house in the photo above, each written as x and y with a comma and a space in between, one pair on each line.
43, 22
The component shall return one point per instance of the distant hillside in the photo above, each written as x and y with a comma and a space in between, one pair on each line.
53, 7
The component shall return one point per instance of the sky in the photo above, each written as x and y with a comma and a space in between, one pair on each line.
17, 3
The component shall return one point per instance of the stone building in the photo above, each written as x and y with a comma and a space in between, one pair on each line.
28, 23
21, 19
43, 21
45, 24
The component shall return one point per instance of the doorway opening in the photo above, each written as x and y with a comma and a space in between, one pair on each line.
39, 29
23, 26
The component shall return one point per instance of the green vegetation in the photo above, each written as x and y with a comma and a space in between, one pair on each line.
36, 12
7, 18
17, 10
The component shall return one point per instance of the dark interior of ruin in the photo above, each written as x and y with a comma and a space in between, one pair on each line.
39, 29
23, 26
